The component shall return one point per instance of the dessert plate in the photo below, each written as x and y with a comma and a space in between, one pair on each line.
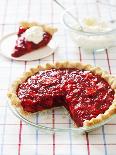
43, 120
7, 44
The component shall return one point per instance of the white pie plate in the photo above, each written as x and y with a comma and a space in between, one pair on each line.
7, 44
54, 120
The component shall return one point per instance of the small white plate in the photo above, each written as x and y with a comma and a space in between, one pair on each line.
7, 44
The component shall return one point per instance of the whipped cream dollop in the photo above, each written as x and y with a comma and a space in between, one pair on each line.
95, 25
34, 34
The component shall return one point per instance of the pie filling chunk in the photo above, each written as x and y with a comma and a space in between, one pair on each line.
84, 94
24, 46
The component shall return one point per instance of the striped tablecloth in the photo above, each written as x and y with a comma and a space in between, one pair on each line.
17, 138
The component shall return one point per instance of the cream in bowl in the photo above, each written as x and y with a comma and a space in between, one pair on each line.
90, 31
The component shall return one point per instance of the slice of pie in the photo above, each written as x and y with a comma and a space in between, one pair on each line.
32, 36
87, 92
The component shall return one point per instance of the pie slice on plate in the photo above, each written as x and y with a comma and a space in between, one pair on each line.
32, 36
87, 92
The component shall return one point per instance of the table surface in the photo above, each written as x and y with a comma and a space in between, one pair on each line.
17, 138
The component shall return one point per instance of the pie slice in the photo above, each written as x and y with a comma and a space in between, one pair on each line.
87, 92
32, 36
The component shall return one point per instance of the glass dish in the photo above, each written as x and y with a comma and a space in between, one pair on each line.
54, 120
96, 39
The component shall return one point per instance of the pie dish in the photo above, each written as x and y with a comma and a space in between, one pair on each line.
32, 36
87, 92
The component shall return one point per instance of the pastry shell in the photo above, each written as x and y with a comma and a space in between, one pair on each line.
15, 101
47, 28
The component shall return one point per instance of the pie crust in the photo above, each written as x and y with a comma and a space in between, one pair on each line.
46, 28
15, 101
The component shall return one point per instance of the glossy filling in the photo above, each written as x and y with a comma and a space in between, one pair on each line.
23, 46
84, 94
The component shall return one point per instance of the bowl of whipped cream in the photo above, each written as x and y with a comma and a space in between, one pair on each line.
92, 26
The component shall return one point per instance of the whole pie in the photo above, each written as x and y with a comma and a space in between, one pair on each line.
87, 92
32, 36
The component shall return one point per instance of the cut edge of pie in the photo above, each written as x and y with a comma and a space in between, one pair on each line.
15, 101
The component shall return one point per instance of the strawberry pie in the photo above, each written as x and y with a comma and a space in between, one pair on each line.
87, 92
32, 36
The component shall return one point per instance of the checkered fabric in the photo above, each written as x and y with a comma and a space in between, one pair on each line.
16, 137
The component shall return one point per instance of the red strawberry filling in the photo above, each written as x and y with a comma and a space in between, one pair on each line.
84, 94
23, 46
